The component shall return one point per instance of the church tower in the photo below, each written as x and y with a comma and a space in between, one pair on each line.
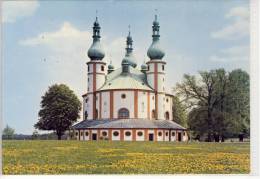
156, 72
96, 72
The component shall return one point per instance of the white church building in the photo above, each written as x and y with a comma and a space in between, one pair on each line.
128, 103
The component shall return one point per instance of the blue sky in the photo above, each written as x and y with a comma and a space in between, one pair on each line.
46, 42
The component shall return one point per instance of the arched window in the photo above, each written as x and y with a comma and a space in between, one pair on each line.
167, 115
123, 113
153, 114
102, 68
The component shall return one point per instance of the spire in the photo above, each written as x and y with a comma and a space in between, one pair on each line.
129, 42
155, 52
96, 29
156, 27
96, 51
129, 50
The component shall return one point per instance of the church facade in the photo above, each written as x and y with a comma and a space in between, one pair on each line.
128, 103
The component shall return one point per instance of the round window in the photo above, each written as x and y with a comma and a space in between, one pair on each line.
104, 133
115, 133
159, 133
128, 133
86, 133
140, 133
76, 134
123, 96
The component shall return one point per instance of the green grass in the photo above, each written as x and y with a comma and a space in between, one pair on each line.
81, 157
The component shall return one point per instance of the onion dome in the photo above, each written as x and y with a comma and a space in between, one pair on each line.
110, 67
129, 51
155, 51
96, 51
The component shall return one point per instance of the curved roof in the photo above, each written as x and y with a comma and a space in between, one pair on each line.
128, 123
133, 80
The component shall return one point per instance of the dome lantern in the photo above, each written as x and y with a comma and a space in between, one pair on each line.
96, 51
129, 50
110, 67
155, 52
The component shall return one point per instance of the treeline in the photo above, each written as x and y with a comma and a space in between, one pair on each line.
214, 105
9, 134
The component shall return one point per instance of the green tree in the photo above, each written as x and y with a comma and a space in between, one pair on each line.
60, 108
8, 132
35, 134
200, 93
218, 102
179, 112
238, 102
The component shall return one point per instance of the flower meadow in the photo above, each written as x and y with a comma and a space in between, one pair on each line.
105, 157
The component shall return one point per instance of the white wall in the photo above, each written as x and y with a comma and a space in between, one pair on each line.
86, 137
81, 137
161, 106
105, 105
166, 137
128, 138
88, 106
140, 138
173, 138
142, 104
159, 138
168, 105
115, 137
128, 102
104, 131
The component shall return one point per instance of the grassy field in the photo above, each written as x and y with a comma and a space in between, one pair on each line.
78, 157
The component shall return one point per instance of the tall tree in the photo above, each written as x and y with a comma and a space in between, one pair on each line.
200, 93
179, 112
60, 108
8, 132
238, 102
219, 103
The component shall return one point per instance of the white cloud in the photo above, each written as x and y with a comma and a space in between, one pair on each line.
65, 55
238, 26
13, 10
232, 54
66, 51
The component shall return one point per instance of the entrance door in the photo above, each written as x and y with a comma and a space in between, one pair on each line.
150, 137
94, 136
179, 136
